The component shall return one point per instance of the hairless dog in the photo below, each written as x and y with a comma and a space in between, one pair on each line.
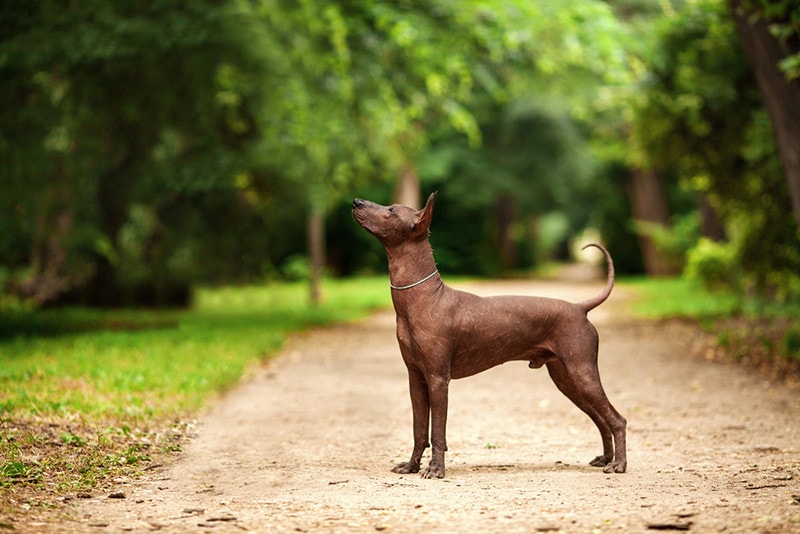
445, 333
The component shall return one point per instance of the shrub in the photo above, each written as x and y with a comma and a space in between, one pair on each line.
713, 264
675, 241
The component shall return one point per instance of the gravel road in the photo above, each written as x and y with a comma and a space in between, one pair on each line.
307, 443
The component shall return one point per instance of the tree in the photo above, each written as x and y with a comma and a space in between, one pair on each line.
700, 121
117, 101
381, 77
770, 33
646, 209
145, 146
533, 163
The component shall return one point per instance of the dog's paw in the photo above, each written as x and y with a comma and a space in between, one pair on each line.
433, 471
615, 467
601, 461
406, 468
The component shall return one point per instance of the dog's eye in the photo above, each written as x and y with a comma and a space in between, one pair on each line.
391, 210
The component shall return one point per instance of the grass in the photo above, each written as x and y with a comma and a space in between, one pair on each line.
142, 363
660, 298
765, 334
88, 395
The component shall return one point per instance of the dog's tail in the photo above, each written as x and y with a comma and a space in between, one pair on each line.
601, 298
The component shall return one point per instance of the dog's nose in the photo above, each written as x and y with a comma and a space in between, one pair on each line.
357, 202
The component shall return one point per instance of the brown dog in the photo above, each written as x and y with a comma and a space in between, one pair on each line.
444, 333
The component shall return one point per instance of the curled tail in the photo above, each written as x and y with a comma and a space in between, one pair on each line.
599, 299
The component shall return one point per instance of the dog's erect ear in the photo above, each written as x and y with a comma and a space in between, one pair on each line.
425, 215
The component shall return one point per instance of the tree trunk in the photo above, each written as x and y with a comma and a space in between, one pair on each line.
649, 205
505, 211
316, 250
114, 192
407, 190
49, 260
781, 96
51, 277
710, 225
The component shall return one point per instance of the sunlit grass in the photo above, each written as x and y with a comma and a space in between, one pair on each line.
659, 298
87, 395
762, 332
140, 364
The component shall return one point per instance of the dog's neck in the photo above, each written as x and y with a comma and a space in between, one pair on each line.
411, 262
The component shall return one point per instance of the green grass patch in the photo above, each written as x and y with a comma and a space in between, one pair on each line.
129, 363
763, 333
86, 394
660, 298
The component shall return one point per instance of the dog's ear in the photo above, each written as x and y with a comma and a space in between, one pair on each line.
425, 215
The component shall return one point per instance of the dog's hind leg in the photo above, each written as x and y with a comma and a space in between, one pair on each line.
586, 392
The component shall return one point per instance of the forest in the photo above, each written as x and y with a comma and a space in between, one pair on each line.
148, 148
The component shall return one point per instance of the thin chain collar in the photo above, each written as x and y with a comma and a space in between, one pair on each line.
409, 286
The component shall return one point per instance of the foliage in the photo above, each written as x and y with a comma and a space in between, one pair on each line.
110, 97
533, 162
230, 118
700, 117
784, 20
714, 265
146, 148
676, 241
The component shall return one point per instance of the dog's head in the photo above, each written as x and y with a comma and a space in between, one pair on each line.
394, 224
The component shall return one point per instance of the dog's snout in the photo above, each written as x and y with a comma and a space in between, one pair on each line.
357, 203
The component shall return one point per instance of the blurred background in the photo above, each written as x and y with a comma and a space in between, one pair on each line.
150, 147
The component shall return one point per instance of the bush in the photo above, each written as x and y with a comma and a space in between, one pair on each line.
675, 241
713, 264
297, 268
791, 343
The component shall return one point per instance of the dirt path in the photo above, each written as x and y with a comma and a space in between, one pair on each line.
307, 445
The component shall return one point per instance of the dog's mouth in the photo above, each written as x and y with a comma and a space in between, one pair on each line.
358, 216
361, 210
361, 219
358, 212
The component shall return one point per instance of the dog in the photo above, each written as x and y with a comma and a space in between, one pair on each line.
448, 334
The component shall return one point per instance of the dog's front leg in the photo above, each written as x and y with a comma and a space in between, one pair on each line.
420, 406
438, 391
